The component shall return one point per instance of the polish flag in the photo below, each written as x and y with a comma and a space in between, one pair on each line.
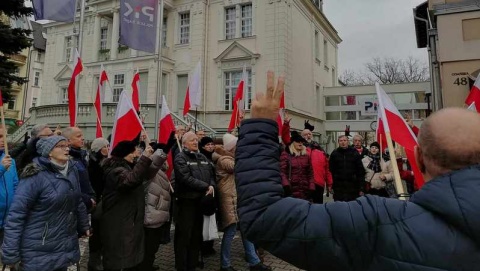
194, 90
395, 124
127, 124
72, 91
166, 127
238, 102
474, 96
381, 136
1, 98
472, 107
135, 91
281, 114
98, 101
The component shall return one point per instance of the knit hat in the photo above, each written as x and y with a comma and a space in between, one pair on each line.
123, 149
296, 137
46, 145
375, 144
98, 144
204, 141
229, 142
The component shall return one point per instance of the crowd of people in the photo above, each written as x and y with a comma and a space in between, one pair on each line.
126, 199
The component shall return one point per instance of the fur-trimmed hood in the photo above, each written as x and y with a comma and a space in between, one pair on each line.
40, 164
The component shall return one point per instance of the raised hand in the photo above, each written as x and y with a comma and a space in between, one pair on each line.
266, 106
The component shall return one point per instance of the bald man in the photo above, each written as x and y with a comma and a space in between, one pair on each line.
438, 229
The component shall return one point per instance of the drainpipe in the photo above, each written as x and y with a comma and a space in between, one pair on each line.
205, 61
25, 88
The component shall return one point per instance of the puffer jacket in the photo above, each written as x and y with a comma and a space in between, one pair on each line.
226, 187
46, 218
320, 167
157, 196
347, 171
194, 173
436, 230
121, 224
80, 157
8, 185
297, 175
374, 178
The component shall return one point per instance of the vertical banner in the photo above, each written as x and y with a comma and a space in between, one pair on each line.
138, 24
56, 10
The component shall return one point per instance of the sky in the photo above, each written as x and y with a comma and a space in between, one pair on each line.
373, 28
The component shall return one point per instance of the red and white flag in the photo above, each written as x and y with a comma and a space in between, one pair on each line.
135, 91
1, 98
127, 124
238, 101
281, 114
472, 107
381, 137
474, 96
194, 90
99, 99
72, 89
395, 124
166, 127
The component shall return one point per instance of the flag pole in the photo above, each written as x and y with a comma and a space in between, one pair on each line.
396, 172
196, 115
80, 48
158, 52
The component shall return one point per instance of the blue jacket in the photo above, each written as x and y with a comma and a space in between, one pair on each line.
8, 185
438, 229
45, 219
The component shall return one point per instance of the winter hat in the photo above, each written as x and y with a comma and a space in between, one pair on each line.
375, 144
204, 141
98, 144
46, 145
308, 126
229, 142
124, 148
296, 137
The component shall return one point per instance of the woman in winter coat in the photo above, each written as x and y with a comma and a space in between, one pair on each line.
296, 169
227, 193
47, 214
123, 207
157, 206
378, 171
99, 152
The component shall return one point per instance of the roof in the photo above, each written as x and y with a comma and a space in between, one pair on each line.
39, 41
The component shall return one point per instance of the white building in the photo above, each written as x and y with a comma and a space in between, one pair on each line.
291, 37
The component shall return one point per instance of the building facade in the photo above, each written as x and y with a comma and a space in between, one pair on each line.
451, 31
290, 37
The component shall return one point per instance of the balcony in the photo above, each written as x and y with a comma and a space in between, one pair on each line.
18, 59
12, 114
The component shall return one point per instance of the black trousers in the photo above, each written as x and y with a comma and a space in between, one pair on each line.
188, 234
317, 195
382, 192
95, 245
153, 238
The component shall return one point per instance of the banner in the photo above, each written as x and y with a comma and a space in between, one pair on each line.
369, 106
56, 10
138, 24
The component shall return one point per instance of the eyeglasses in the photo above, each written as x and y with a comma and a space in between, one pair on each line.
63, 147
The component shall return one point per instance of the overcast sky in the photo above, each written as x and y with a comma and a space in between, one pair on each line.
373, 28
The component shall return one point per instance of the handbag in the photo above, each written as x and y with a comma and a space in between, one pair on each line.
210, 230
208, 205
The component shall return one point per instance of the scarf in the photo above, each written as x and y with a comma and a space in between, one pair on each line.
375, 163
386, 156
63, 169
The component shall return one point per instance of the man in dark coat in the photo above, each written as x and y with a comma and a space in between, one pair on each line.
436, 230
347, 171
75, 138
195, 178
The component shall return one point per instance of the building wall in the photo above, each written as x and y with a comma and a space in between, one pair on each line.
282, 40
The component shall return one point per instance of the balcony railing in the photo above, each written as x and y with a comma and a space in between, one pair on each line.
18, 59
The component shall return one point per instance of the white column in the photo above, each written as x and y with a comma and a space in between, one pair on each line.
96, 37
115, 35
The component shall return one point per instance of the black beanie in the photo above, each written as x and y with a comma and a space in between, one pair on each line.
375, 144
123, 149
204, 141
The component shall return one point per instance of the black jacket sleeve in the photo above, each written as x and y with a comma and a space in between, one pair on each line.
184, 177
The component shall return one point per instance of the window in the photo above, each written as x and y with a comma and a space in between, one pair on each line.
34, 102
182, 84
36, 79
164, 32
11, 104
232, 79
39, 57
325, 52
68, 48
118, 85
184, 28
247, 22
317, 49
230, 23
470, 29
63, 95
103, 38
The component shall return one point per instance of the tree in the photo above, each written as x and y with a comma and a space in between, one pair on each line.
13, 41
388, 71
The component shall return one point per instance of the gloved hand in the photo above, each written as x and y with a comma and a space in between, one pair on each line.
171, 141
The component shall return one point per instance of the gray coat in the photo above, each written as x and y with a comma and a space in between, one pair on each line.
157, 196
